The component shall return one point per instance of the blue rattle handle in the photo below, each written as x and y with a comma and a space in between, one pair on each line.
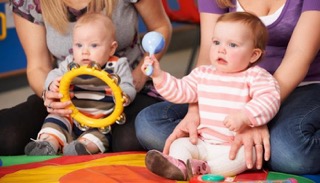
153, 42
149, 70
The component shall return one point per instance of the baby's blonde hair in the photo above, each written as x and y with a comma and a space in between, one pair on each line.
55, 12
95, 17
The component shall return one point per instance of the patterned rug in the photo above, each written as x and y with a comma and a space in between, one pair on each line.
112, 168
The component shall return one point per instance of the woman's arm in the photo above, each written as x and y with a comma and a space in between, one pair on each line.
155, 19
207, 23
303, 46
39, 62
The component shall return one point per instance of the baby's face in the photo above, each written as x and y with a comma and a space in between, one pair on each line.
232, 47
92, 42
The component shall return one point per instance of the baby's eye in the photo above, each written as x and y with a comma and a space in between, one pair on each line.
78, 45
233, 45
215, 42
94, 45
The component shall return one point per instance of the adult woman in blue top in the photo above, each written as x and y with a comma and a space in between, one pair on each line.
293, 57
44, 29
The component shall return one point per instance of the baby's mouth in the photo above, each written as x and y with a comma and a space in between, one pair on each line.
86, 61
221, 61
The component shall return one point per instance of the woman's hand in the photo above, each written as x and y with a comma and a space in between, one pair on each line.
52, 98
187, 127
256, 137
54, 106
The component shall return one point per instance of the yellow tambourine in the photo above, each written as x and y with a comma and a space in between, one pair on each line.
111, 80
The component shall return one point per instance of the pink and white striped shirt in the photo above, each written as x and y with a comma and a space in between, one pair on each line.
218, 94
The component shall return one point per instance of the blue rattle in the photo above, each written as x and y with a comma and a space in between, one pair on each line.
153, 42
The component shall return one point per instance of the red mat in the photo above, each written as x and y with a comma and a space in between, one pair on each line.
111, 168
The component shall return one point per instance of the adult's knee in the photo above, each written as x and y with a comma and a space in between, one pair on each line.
294, 163
295, 134
295, 146
146, 132
141, 123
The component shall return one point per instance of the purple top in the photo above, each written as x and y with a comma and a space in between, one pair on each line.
281, 31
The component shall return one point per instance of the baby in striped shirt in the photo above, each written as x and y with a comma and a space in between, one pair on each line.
232, 93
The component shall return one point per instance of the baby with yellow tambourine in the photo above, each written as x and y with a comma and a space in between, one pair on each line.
93, 40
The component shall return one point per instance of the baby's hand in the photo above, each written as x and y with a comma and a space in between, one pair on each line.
236, 121
147, 66
151, 61
54, 85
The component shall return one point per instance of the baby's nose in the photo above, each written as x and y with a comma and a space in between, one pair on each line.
85, 51
222, 49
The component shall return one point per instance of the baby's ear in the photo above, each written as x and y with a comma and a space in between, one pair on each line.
113, 48
256, 54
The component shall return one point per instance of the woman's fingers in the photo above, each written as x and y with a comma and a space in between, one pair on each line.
61, 112
193, 132
53, 104
168, 142
266, 144
179, 131
256, 139
50, 95
259, 155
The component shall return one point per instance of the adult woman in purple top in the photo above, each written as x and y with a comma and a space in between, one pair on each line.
293, 57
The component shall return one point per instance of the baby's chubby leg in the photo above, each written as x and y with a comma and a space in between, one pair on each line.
219, 155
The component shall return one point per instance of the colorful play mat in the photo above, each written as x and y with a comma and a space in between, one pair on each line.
110, 168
